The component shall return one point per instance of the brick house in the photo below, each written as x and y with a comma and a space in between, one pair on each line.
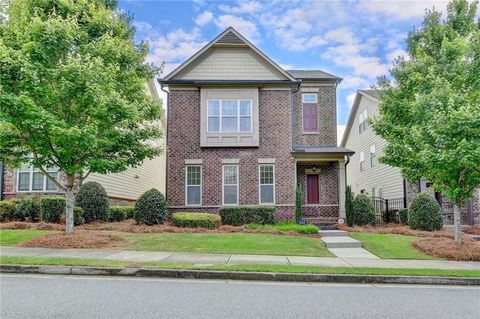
122, 188
366, 175
243, 131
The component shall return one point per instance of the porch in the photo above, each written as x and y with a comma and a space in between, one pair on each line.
320, 172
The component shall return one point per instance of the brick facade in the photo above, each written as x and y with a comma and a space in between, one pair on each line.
183, 140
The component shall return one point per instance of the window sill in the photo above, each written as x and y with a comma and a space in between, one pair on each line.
310, 133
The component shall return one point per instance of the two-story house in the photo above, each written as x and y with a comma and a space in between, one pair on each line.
366, 175
243, 131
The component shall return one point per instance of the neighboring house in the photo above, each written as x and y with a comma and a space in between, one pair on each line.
244, 131
122, 188
366, 175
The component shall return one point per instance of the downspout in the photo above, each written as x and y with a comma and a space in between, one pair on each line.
1, 180
166, 141
346, 163
293, 114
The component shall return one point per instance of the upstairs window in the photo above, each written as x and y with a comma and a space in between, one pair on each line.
373, 156
30, 179
309, 111
230, 116
362, 161
362, 121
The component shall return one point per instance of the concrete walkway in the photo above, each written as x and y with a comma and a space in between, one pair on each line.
232, 259
341, 245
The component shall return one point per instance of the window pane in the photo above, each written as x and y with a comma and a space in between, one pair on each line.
213, 107
230, 175
24, 181
266, 194
245, 124
193, 175
372, 149
245, 107
193, 195
229, 107
213, 124
51, 185
309, 98
37, 181
229, 124
24, 167
266, 174
230, 195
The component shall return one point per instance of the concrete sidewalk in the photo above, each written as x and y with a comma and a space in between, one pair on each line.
232, 259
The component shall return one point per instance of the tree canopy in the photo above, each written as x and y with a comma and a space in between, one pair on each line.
73, 89
430, 111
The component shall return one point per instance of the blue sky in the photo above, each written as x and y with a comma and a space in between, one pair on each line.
356, 40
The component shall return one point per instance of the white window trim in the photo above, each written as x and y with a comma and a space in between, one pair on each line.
30, 182
220, 116
318, 124
186, 185
223, 184
260, 185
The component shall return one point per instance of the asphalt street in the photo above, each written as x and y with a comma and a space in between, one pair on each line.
37, 296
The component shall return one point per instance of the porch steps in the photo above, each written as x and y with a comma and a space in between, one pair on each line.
322, 222
333, 233
341, 242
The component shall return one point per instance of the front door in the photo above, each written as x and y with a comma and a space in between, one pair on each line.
312, 189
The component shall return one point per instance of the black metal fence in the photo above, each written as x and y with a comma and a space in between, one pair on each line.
387, 210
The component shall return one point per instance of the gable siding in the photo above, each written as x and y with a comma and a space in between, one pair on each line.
387, 177
230, 64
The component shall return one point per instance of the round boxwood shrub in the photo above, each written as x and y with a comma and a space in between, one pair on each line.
8, 210
78, 218
151, 208
364, 213
28, 208
93, 199
424, 213
52, 208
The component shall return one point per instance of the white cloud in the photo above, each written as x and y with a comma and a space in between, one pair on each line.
243, 7
245, 27
355, 82
204, 18
392, 55
401, 10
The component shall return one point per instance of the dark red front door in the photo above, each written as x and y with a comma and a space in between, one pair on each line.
312, 189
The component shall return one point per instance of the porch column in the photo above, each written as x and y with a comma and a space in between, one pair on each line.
341, 189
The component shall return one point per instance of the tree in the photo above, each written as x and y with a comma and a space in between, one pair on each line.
73, 91
430, 112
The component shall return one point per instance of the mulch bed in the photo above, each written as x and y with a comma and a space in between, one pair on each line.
447, 248
439, 243
79, 239
37, 226
472, 230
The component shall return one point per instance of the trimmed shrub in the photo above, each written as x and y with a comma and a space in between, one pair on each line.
403, 216
364, 213
286, 226
8, 210
424, 213
119, 213
28, 208
78, 218
194, 220
52, 208
242, 215
93, 198
298, 203
151, 208
349, 212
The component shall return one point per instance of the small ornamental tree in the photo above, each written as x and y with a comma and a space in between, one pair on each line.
73, 91
298, 203
349, 212
429, 113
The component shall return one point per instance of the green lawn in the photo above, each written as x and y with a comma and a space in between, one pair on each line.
247, 267
234, 243
10, 237
390, 246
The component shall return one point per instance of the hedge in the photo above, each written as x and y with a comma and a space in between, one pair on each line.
119, 213
403, 216
28, 208
8, 210
52, 208
93, 198
424, 213
194, 220
151, 208
363, 210
242, 215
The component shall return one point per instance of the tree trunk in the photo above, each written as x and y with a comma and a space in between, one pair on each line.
457, 223
70, 198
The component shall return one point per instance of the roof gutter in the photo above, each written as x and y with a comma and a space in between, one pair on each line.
227, 82
293, 114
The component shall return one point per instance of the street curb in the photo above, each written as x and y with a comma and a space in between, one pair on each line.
235, 275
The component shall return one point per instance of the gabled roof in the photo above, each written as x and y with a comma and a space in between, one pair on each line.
372, 94
313, 75
229, 37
